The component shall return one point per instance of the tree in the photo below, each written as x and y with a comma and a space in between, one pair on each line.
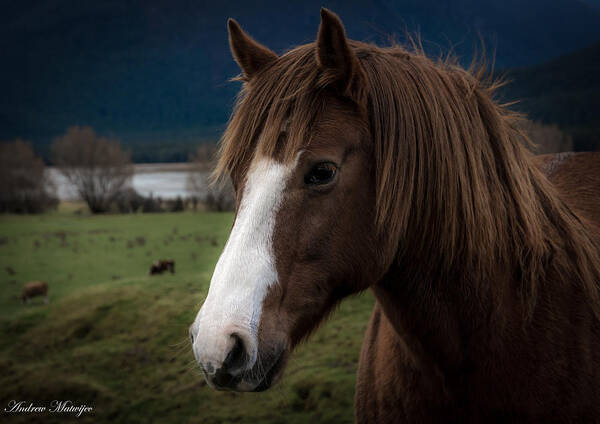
26, 187
96, 166
547, 138
215, 197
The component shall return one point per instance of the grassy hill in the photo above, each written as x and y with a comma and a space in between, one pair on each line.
115, 338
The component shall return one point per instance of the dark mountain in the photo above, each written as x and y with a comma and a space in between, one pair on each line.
594, 3
564, 91
155, 73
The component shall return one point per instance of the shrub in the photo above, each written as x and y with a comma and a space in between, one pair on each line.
214, 197
26, 186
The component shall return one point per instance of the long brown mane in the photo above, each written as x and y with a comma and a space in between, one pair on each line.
453, 179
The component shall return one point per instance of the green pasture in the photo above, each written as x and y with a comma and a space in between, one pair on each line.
115, 338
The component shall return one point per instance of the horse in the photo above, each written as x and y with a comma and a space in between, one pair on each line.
33, 289
163, 265
361, 167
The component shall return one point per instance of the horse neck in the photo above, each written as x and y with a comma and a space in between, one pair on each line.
441, 312
436, 318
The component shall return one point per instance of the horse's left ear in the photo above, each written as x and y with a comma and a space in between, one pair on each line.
249, 54
335, 56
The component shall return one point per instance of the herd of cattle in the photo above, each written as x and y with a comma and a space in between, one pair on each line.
40, 288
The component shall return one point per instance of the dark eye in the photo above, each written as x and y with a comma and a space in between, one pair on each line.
320, 174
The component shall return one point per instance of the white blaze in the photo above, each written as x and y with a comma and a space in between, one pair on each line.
244, 271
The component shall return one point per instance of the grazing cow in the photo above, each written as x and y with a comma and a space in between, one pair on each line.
33, 289
161, 266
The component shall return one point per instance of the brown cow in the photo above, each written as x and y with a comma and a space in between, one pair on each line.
161, 266
33, 289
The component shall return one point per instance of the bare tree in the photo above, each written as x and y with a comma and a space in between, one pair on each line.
96, 166
214, 196
25, 186
205, 157
547, 138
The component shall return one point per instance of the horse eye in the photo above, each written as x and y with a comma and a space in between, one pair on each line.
320, 174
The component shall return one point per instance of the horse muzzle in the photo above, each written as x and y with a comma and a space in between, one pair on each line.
243, 368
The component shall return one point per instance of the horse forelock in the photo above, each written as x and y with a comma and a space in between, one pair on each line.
454, 182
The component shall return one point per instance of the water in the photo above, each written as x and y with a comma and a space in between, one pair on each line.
161, 184
161, 180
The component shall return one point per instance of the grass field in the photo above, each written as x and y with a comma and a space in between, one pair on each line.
114, 338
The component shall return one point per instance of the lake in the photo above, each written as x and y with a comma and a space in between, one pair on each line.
166, 180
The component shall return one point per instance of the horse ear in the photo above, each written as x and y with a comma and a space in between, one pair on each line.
334, 54
250, 55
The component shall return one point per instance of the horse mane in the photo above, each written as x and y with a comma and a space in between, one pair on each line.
455, 186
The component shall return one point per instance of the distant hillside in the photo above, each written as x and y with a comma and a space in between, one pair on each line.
564, 91
594, 3
155, 73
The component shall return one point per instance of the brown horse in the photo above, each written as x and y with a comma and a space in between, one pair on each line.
358, 167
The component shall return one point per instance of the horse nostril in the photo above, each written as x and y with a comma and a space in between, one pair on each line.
191, 335
237, 357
